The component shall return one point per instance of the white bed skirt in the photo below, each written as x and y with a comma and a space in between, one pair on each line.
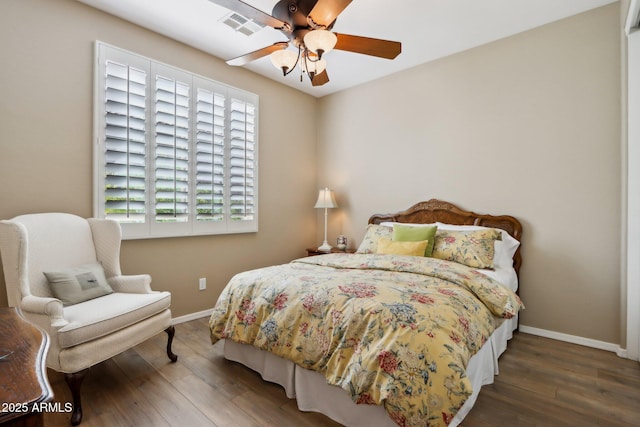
312, 392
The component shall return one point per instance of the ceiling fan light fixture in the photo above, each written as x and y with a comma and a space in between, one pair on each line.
315, 67
284, 60
307, 24
320, 41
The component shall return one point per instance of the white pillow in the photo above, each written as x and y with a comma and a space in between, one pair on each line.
505, 276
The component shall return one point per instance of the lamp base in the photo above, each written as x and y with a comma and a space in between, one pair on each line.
326, 247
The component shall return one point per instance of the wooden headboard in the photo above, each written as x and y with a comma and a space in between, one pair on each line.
439, 211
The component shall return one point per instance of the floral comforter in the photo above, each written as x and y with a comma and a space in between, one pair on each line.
388, 329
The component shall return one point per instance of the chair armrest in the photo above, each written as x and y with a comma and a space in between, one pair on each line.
132, 284
51, 307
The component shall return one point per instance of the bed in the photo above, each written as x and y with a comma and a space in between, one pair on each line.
380, 337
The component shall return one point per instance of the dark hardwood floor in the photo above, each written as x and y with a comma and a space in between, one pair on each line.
542, 382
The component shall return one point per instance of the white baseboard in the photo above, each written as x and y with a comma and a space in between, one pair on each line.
587, 342
192, 316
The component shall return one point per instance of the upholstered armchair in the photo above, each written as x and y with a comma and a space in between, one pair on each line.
88, 320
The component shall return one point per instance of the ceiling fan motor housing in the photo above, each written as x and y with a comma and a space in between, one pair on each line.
295, 13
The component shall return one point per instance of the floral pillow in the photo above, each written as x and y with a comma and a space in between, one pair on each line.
473, 248
374, 232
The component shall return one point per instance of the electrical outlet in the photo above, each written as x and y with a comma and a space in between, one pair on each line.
202, 283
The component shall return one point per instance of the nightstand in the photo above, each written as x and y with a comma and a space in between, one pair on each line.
315, 251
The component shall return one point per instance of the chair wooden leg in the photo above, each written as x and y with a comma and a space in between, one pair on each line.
171, 331
74, 381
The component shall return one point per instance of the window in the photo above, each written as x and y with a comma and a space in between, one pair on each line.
176, 153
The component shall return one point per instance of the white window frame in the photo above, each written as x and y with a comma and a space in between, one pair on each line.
151, 228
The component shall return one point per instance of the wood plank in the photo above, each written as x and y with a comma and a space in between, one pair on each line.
585, 394
216, 406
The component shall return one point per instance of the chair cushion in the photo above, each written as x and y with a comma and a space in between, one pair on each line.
101, 316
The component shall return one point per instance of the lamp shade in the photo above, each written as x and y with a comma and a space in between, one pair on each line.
326, 199
320, 41
315, 67
283, 59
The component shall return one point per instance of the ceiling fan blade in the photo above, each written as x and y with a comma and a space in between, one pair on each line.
252, 13
245, 59
326, 11
320, 79
368, 46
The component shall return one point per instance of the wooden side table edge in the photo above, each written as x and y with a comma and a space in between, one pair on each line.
41, 361
46, 392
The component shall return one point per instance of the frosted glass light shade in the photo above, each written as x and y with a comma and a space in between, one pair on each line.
320, 41
283, 59
315, 67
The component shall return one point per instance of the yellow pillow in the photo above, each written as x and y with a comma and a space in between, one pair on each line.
391, 247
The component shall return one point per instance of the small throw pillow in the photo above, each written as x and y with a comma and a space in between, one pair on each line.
374, 232
391, 247
78, 284
412, 233
472, 248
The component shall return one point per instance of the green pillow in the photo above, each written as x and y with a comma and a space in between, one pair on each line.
414, 233
78, 284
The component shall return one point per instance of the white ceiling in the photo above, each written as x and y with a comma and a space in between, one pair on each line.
428, 29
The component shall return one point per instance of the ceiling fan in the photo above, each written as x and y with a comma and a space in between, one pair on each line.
307, 24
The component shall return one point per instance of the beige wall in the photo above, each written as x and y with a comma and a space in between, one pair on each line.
527, 126
46, 52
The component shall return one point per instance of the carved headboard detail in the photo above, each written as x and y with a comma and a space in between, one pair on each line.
435, 210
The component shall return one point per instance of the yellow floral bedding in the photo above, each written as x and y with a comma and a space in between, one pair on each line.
389, 329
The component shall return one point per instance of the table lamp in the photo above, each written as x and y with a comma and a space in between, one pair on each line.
326, 200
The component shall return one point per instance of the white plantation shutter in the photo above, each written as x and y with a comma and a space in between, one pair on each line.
124, 142
210, 155
242, 160
176, 153
171, 150
225, 158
